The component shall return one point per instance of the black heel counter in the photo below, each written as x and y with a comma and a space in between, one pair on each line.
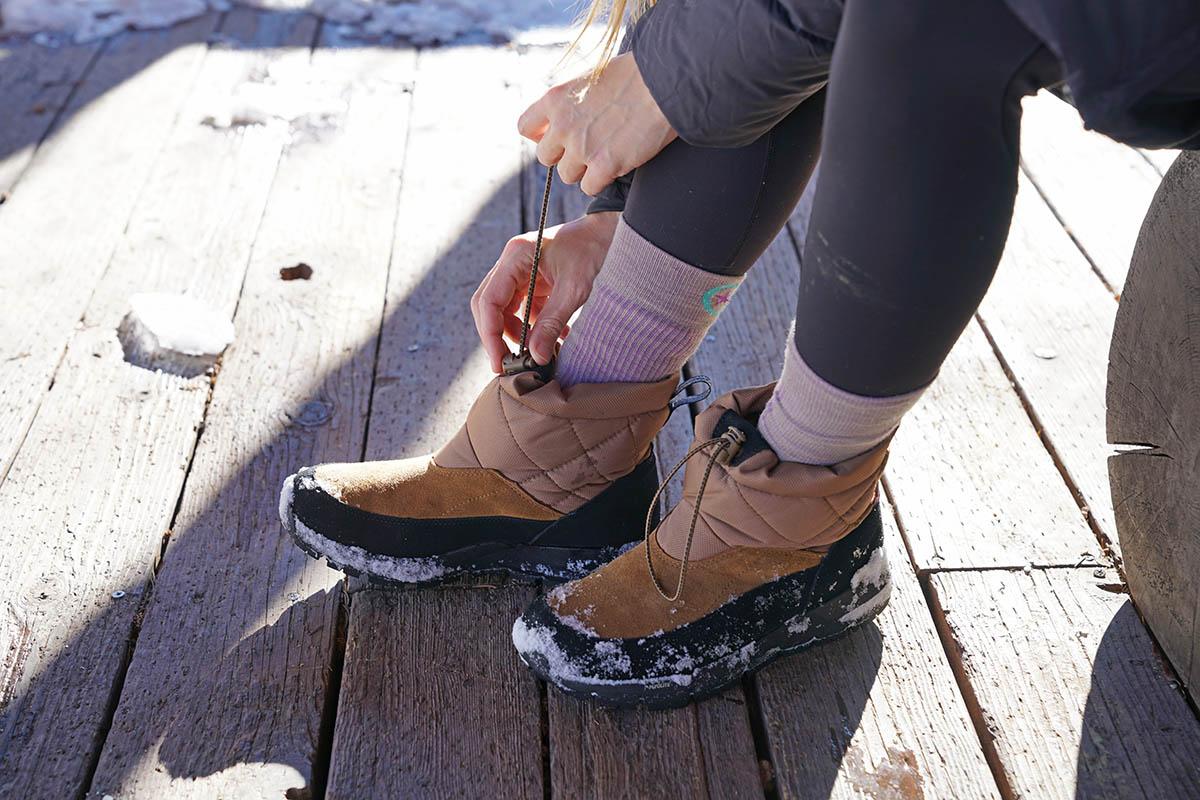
847, 556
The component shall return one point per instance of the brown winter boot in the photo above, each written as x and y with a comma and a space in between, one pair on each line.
539, 481
772, 557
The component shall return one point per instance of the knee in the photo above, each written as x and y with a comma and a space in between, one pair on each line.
932, 48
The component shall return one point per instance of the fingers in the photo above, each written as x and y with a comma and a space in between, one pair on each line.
570, 169
549, 149
601, 170
532, 124
497, 298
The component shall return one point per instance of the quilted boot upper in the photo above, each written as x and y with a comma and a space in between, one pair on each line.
562, 447
529, 449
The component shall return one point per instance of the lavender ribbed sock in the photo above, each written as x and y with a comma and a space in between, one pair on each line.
811, 421
647, 314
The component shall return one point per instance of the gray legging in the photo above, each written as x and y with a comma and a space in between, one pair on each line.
920, 121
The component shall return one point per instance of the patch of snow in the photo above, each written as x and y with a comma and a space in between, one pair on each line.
402, 570
278, 97
576, 624
873, 573
799, 625
160, 321
870, 608
328, 488
422, 22
536, 639
286, 496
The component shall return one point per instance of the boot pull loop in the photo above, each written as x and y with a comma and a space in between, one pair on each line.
681, 397
522, 360
728, 444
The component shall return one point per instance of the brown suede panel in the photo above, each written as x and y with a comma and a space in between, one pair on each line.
416, 488
765, 502
561, 446
620, 601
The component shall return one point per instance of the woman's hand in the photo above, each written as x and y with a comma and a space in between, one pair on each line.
572, 254
595, 132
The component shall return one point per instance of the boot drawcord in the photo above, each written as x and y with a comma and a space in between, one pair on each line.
522, 360
727, 446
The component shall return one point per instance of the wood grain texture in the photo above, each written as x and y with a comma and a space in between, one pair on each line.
227, 686
1098, 187
876, 713
35, 84
975, 486
703, 751
1076, 700
124, 433
434, 701
58, 233
1154, 404
1051, 319
882, 702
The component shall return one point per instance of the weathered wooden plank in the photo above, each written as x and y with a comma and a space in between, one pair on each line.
71, 549
1154, 404
227, 689
434, 702
877, 713
1050, 318
1098, 187
58, 233
975, 485
901, 698
35, 83
703, 750
1068, 683
407, 724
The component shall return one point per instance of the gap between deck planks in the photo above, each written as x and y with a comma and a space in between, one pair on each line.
1099, 189
59, 231
1069, 684
92, 491
226, 691
35, 85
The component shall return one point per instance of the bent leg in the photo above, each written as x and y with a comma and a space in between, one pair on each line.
915, 196
911, 212
719, 208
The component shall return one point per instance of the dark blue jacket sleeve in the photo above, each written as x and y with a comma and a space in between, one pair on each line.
725, 71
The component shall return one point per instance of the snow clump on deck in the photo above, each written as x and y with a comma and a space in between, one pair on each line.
422, 22
173, 333
180, 324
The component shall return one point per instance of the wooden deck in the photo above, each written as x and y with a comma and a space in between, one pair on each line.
159, 637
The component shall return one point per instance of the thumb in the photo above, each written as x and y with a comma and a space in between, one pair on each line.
551, 322
544, 337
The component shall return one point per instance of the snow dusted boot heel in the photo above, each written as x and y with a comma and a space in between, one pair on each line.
539, 481
776, 557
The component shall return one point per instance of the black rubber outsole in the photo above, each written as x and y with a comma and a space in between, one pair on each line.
665, 692
527, 563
